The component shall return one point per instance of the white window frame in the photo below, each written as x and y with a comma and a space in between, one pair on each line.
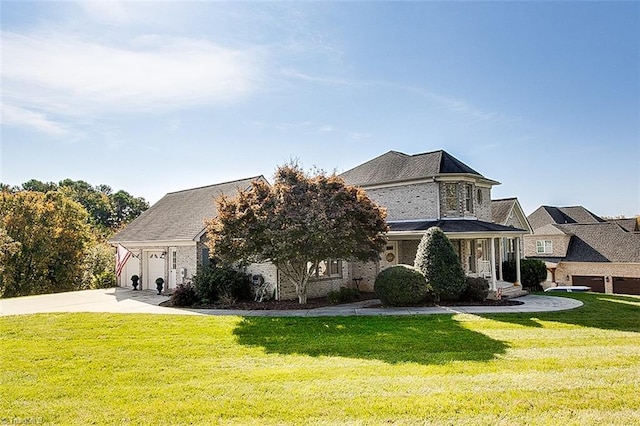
468, 198
332, 271
544, 246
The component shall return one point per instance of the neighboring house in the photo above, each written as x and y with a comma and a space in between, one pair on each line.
580, 248
168, 240
436, 189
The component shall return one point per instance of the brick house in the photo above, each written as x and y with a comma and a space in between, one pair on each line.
418, 191
580, 248
436, 189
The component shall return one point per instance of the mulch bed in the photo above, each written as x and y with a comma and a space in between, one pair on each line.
321, 302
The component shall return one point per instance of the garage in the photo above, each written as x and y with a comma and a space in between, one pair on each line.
596, 283
626, 285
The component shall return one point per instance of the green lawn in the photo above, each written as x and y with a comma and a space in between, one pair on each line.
577, 367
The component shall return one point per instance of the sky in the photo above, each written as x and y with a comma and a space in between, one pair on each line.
160, 96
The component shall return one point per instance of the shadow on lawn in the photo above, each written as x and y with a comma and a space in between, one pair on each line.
420, 339
604, 311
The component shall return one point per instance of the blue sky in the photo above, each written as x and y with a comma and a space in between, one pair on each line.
154, 97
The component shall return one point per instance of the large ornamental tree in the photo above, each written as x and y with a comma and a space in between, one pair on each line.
297, 223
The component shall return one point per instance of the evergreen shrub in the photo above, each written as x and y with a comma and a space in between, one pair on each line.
184, 295
214, 282
437, 260
401, 285
477, 290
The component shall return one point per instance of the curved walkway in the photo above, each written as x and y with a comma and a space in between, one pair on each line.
125, 300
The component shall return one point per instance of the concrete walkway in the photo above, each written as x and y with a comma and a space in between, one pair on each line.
125, 300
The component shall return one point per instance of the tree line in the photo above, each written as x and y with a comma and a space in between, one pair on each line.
53, 236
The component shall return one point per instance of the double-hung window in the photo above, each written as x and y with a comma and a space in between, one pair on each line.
468, 198
544, 247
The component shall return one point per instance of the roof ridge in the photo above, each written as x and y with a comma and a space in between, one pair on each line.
216, 184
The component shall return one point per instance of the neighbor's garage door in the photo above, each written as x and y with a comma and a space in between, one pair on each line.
626, 285
596, 283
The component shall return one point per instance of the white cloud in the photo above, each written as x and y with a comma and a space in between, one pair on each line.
16, 116
108, 11
68, 75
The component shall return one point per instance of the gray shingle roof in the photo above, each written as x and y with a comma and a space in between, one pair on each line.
601, 242
453, 226
500, 210
398, 167
546, 215
629, 225
179, 215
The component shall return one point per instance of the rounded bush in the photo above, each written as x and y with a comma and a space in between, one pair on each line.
477, 290
184, 295
401, 285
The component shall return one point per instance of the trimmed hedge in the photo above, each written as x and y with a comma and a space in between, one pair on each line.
401, 285
437, 260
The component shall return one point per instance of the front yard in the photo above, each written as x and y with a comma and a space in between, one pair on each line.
572, 368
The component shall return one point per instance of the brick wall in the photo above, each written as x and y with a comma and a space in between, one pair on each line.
560, 244
186, 257
417, 201
407, 250
317, 287
368, 271
598, 269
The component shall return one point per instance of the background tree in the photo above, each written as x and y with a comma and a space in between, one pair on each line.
8, 247
298, 223
53, 233
124, 208
107, 211
437, 260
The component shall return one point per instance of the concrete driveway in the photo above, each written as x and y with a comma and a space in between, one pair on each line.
125, 300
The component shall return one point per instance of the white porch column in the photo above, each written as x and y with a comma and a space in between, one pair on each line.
494, 283
501, 247
517, 261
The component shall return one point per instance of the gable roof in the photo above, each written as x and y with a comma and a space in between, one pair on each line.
601, 242
398, 167
503, 210
629, 225
179, 215
546, 215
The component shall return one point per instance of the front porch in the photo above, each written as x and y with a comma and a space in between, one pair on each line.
480, 255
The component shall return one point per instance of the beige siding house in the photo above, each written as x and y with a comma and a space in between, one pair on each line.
580, 248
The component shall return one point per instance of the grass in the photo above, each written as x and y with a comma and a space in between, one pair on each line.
577, 367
